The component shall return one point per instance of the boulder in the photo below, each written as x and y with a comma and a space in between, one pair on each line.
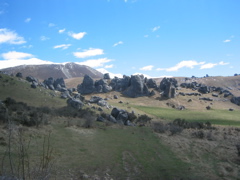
75, 103
236, 100
115, 112
95, 99
115, 96
112, 119
137, 88
206, 99
151, 83
168, 87
102, 103
208, 107
120, 84
100, 119
204, 89
19, 75
106, 76
122, 117
59, 83
214, 94
31, 79
87, 86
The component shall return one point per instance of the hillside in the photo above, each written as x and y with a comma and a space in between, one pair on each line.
73, 145
42, 72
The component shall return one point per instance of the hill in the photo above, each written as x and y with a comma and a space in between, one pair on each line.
68, 70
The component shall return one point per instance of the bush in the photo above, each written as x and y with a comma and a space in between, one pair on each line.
198, 134
143, 119
159, 127
175, 129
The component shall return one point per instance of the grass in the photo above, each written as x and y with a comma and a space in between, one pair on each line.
218, 117
128, 152
20, 90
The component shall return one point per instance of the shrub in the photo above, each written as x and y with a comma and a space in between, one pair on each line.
198, 134
143, 119
159, 127
175, 129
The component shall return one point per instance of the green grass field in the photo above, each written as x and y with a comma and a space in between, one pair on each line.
218, 117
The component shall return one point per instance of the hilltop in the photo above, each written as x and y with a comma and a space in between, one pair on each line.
41, 72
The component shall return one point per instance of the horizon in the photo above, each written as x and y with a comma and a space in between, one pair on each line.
177, 38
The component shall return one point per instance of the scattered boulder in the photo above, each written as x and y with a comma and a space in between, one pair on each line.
115, 96
100, 119
208, 108
214, 94
151, 83
120, 84
204, 89
75, 103
236, 100
87, 86
231, 109
206, 99
168, 87
137, 88
95, 99
106, 76
19, 75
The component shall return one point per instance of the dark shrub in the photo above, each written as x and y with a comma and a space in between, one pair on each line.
174, 129
143, 119
159, 127
198, 134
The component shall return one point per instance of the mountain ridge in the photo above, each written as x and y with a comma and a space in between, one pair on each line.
65, 71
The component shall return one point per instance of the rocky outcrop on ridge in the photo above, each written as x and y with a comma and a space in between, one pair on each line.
168, 87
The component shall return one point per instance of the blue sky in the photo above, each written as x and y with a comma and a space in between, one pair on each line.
152, 37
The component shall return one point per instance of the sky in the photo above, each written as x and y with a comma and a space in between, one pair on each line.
156, 38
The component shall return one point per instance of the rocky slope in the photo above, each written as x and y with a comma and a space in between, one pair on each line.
45, 71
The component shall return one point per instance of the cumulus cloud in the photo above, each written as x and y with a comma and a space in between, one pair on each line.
182, 64
109, 66
15, 55
13, 58
27, 20
62, 46
77, 36
118, 43
95, 62
62, 31
227, 40
88, 53
155, 28
10, 37
44, 38
208, 66
112, 75
223, 63
147, 68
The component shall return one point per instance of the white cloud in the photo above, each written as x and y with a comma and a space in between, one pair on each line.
227, 40
109, 66
27, 20
13, 58
44, 38
10, 37
155, 28
51, 25
16, 55
118, 43
77, 36
147, 68
160, 69
112, 75
95, 62
182, 64
223, 63
208, 66
88, 53
62, 46
62, 31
